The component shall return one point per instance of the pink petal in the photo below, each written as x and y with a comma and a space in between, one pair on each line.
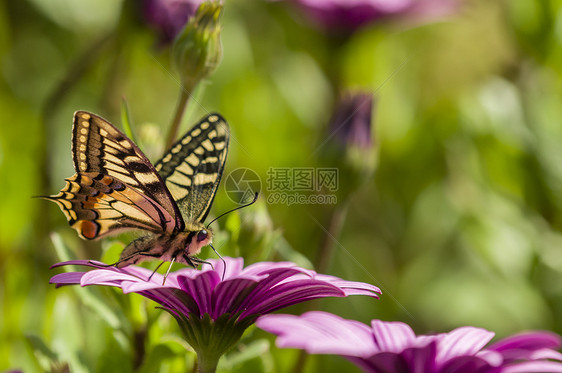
138, 286
287, 294
234, 267
267, 267
466, 340
68, 278
229, 294
171, 298
351, 287
320, 333
200, 289
534, 366
545, 353
272, 279
106, 277
528, 341
392, 336
493, 358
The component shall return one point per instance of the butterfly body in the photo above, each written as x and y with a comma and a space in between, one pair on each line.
116, 188
180, 246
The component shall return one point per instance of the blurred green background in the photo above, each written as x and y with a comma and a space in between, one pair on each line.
459, 225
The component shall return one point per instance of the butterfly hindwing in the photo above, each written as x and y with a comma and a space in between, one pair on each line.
193, 167
99, 147
96, 205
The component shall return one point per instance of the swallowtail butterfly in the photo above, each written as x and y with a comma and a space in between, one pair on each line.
116, 188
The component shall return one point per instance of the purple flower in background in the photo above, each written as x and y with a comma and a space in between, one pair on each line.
388, 347
168, 17
349, 15
212, 311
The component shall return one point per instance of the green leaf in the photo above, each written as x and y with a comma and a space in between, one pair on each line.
287, 252
90, 296
252, 357
126, 121
157, 357
44, 356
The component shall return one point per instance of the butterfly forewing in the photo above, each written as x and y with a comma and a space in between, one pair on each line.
193, 167
96, 205
100, 147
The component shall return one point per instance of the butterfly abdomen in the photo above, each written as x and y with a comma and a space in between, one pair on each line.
162, 246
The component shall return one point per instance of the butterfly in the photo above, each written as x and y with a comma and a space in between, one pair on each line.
116, 188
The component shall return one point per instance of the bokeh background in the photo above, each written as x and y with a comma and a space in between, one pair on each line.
459, 224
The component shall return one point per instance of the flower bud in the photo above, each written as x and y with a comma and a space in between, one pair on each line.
197, 50
350, 147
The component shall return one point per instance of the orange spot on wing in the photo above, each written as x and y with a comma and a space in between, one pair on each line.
86, 180
107, 180
89, 229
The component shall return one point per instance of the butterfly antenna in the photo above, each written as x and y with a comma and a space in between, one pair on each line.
156, 270
234, 209
221, 258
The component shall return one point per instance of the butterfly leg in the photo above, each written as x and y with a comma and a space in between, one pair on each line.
155, 270
194, 261
168, 271
189, 260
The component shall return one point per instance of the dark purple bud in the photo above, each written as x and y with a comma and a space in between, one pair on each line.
350, 124
168, 17
348, 143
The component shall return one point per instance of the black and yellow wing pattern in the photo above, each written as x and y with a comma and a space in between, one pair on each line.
116, 187
97, 205
192, 168
98, 146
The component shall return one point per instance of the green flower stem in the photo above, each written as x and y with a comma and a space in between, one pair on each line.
196, 53
324, 261
207, 363
326, 251
180, 110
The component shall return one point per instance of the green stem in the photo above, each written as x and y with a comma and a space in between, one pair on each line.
326, 251
180, 110
324, 261
207, 363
